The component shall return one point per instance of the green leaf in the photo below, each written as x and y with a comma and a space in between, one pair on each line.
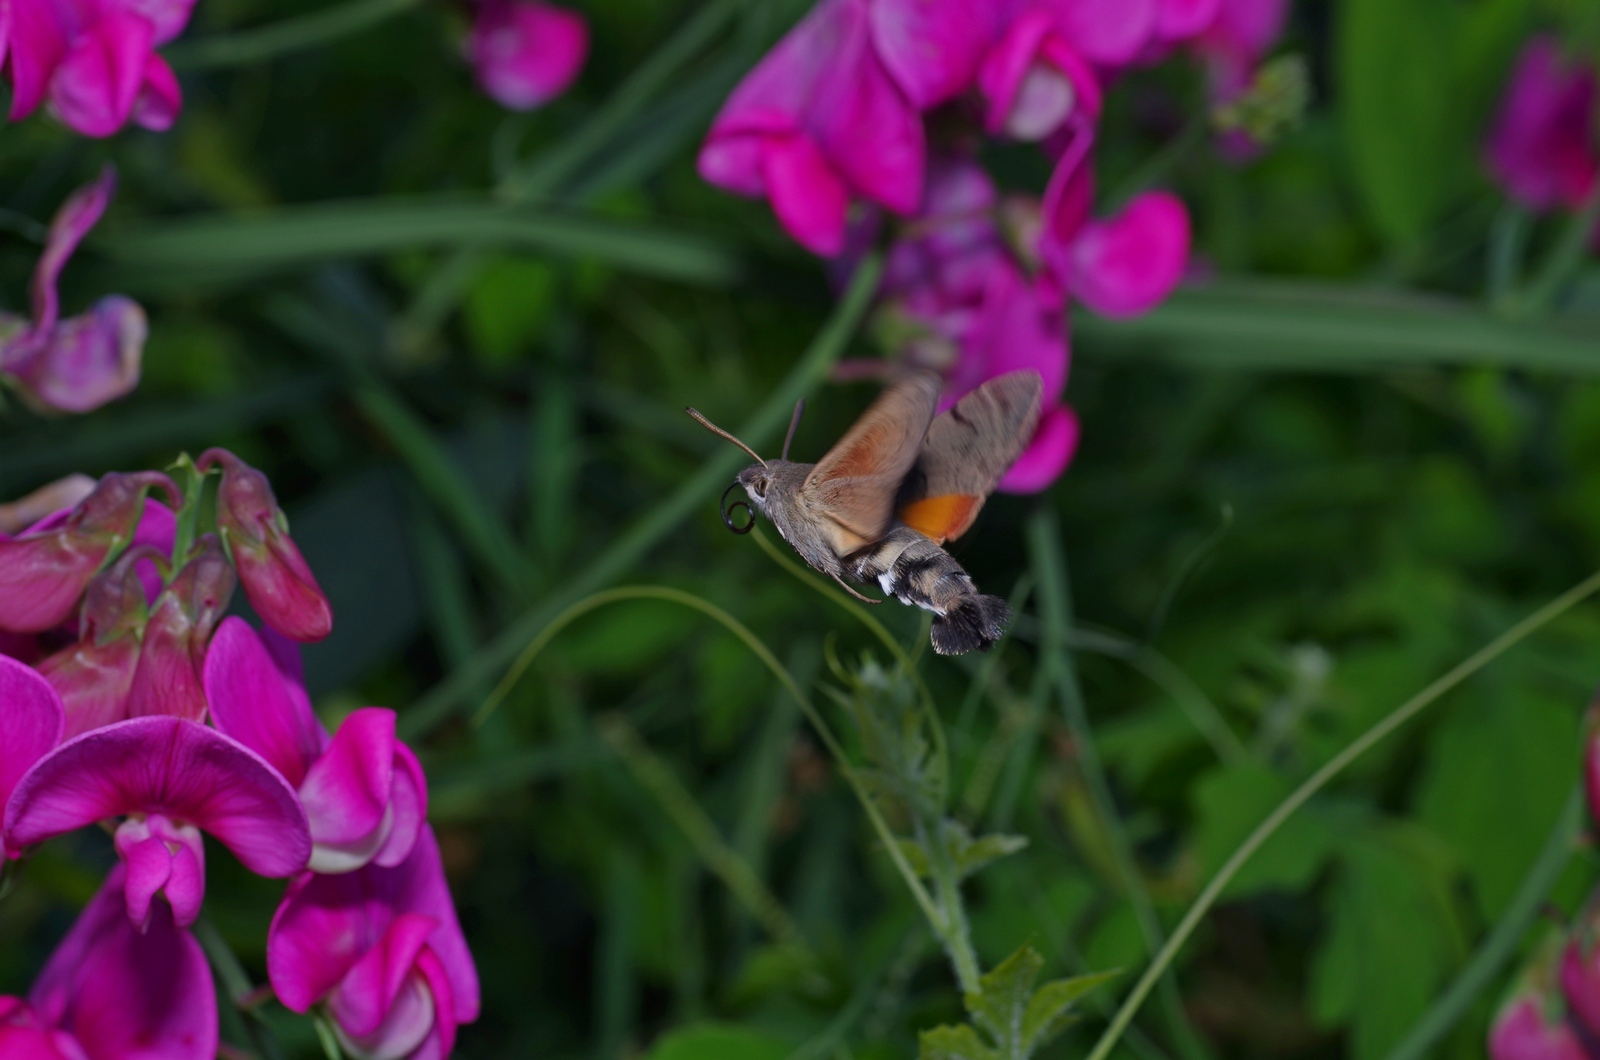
1400, 109
717, 1041
1229, 803
1392, 937
1000, 1006
1496, 766
953, 1043
1050, 1009
967, 855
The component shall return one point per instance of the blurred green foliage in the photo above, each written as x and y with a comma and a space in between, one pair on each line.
459, 342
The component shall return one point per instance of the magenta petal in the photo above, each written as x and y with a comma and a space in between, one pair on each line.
369, 989
1127, 265
526, 53
404, 1029
868, 129
930, 47
166, 765
1246, 29
347, 790
162, 858
1108, 32
408, 808
252, 701
1181, 19
808, 198
134, 996
1522, 1032
168, 17
88, 360
31, 723
1047, 456
445, 1015
94, 88
38, 40
420, 887
160, 97
81, 212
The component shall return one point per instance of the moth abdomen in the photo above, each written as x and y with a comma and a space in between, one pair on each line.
912, 568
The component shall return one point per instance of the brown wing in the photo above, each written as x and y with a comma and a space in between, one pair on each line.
968, 448
855, 484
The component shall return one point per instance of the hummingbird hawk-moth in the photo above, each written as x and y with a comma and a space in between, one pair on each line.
900, 483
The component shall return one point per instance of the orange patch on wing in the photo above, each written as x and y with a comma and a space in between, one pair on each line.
940, 517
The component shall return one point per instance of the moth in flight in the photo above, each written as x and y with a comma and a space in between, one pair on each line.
900, 483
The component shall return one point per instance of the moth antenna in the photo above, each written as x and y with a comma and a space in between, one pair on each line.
714, 429
799, 408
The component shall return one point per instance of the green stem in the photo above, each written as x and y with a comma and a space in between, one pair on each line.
282, 38
1316, 782
236, 986
1561, 262
952, 929
778, 670
1501, 943
1056, 611
445, 698
1155, 168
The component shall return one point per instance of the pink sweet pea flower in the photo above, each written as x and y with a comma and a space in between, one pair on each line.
382, 950
276, 577
45, 570
95, 62
80, 363
1035, 82
526, 53
1541, 147
167, 677
31, 722
1110, 33
112, 992
363, 790
817, 123
932, 47
170, 780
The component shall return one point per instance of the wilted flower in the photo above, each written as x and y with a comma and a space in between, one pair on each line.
525, 52
167, 679
94, 674
94, 61
80, 363
1541, 147
382, 950
45, 570
362, 789
275, 576
170, 780
114, 992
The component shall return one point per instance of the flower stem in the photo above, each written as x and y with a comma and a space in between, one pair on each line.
1316, 782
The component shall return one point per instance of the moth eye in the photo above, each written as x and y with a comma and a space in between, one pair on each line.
761, 487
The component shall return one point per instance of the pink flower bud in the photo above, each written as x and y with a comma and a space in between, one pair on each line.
45, 571
167, 678
94, 675
526, 53
276, 578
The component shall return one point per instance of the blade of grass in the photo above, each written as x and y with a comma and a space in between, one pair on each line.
1298, 326
219, 250
1317, 781
447, 697
1055, 606
679, 805
260, 43
1501, 943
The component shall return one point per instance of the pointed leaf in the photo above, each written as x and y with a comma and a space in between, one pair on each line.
953, 1043
1001, 1003
976, 853
1050, 1009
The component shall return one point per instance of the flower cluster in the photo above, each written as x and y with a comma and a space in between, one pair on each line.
127, 697
1543, 147
94, 62
1553, 1012
80, 363
833, 128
